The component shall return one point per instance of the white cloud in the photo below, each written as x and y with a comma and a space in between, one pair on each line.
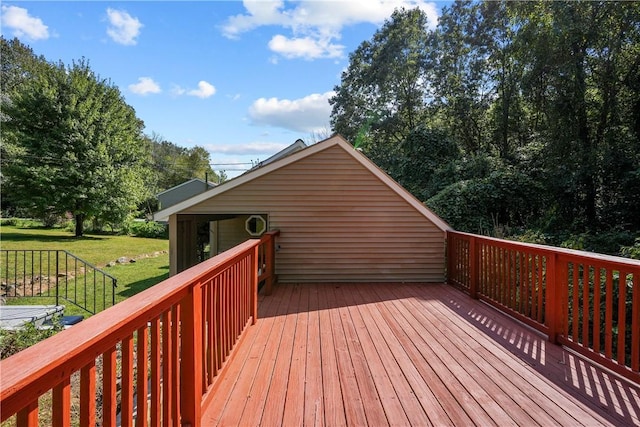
308, 114
305, 47
178, 90
123, 27
145, 86
250, 148
205, 90
22, 24
315, 25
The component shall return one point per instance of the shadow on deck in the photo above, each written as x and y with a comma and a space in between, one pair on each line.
397, 354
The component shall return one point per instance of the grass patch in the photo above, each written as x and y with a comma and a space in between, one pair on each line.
150, 268
98, 249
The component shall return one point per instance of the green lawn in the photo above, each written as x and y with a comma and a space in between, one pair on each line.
149, 268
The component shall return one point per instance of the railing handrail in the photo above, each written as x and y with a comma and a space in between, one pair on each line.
89, 264
39, 367
554, 249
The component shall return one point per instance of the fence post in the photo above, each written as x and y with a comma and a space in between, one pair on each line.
552, 305
57, 278
113, 291
191, 355
473, 268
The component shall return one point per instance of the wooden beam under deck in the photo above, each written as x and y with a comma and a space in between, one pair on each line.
397, 354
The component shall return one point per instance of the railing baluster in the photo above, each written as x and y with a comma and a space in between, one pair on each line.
596, 308
88, 394
142, 388
28, 417
622, 315
109, 374
167, 374
635, 322
176, 315
156, 373
61, 411
126, 389
608, 328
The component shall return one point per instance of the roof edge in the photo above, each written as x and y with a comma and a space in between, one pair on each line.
164, 214
336, 139
395, 186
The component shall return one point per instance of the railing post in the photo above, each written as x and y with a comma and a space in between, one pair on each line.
552, 293
253, 301
114, 281
57, 278
473, 268
449, 260
191, 355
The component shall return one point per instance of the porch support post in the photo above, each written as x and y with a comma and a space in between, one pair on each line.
173, 244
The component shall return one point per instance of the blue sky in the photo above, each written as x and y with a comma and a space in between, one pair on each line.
243, 79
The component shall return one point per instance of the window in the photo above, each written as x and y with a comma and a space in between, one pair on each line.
255, 225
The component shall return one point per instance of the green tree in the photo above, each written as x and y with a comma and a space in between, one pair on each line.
430, 161
79, 146
18, 64
174, 165
464, 85
382, 94
581, 81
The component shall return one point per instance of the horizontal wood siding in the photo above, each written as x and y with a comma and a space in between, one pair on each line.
338, 222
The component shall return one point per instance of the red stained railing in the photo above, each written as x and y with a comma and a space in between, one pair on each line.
588, 302
157, 353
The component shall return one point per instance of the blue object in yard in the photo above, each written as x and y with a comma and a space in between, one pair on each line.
71, 320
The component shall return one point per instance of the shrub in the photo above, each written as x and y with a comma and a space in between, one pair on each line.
9, 221
150, 229
504, 198
632, 251
12, 342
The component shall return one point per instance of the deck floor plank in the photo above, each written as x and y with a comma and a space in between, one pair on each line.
380, 373
220, 411
447, 362
264, 371
565, 411
313, 396
332, 399
406, 380
413, 354
276, 396
295, 397
354, 406
466, 352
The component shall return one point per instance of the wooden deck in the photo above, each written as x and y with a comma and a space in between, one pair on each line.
393, 354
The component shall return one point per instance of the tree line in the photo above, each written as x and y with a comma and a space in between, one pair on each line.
517, 118
72, 146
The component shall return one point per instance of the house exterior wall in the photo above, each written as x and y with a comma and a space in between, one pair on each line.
338, 223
